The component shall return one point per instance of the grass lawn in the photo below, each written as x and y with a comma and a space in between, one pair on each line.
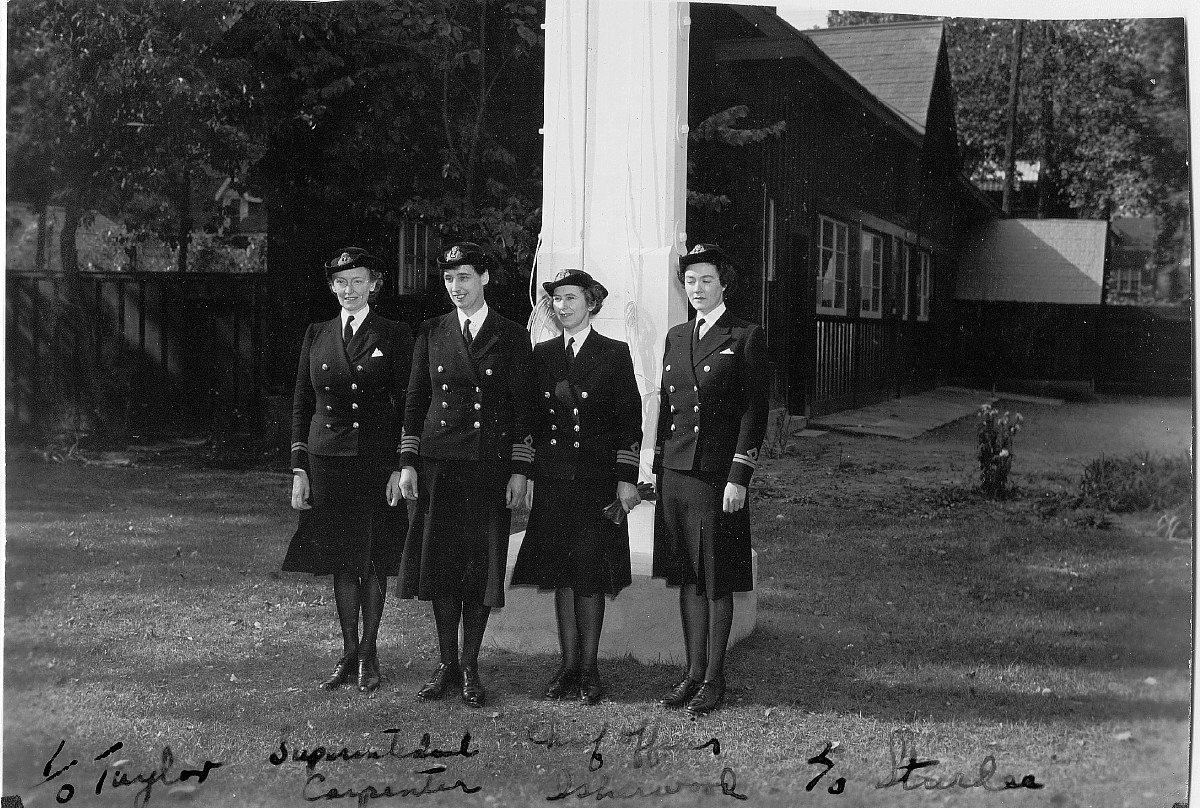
900, 617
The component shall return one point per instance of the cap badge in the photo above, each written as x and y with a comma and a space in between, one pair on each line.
565, 273
454, 253
699, 248
343, 259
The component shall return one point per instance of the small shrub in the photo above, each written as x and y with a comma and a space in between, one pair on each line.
1138, 482
995, 431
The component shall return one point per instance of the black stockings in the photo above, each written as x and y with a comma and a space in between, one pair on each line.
706, 626
353, 594
580, 620
447, 612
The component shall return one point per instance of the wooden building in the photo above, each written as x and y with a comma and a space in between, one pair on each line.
849, 223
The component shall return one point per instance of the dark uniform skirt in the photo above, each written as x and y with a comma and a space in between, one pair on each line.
695, 542
350, 527
569, 543
457, 544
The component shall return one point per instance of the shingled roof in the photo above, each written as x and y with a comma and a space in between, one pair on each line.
896, 62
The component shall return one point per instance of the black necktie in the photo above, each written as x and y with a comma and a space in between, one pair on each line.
570, 352
696, 334
348, 331
467, 337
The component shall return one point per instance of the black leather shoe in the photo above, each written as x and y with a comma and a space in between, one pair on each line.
472, 689
563, 683
443, 677
707, 698
368, 674
341, 674
682, 694
590, 688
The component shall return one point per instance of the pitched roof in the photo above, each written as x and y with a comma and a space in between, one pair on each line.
896, 62
1034, 261
1134, 231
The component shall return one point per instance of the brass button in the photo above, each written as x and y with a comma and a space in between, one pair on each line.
672, 408
695, 389
707, 368
576, 444
551, 410
696, 408
446, 387
329, 408
672, 427
326, 389
329, 426
359, 367
553, 427
443, 423
695, 429
671, 389
575, 411
584, 394
553, 442
668, 367
354, 387
477, 425
354, 406
445, 406
488, 371
476, 389
576, 427
547, 394
478, 406
355, 424
324, 366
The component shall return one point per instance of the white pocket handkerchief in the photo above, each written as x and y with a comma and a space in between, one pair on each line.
377, 353
728, 351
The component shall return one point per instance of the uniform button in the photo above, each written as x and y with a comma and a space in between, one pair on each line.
359, 367
324, 366
575, 411
584, 394
329, 426
488, 371
672, 427
695, 389
478, 406
576, 444
553, 427
696, 408
551, 410
553, 442
672, 408
443, 423
477, 425
445, 406
329, 408
576, 427
440, 369
547, 394
354, 387
326, 389
695, 429
355, 424
671, 389
668, 367
446, 387
476, 389
707, 368
354, 406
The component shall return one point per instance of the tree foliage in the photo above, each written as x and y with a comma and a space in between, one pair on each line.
1102, 109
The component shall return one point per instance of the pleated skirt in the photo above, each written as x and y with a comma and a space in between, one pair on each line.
569, 543
457, 541
350, 527
695, 542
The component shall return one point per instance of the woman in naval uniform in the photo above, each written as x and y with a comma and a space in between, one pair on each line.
466, 456
711, 422
586, 442
350, 390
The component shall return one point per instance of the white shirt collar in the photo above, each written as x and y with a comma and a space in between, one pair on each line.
359, 317
579, 338
476, 319
711, 318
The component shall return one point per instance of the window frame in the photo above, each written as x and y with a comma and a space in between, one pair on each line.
924, 285
841, 261
870, 274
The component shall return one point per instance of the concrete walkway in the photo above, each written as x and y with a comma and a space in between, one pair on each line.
909, 416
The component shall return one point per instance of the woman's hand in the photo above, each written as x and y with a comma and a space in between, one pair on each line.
628, 494
515, 494
408, 482
300, 490
734, 499
529, 495
394, 495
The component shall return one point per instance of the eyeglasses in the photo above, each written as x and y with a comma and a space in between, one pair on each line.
358, 283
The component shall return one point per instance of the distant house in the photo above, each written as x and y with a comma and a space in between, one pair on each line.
849, 224
1135, 275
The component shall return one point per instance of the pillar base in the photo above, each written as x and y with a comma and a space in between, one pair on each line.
641, 622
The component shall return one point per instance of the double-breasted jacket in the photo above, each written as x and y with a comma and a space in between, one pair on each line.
470, 404
589, 423
713, 401
348, 399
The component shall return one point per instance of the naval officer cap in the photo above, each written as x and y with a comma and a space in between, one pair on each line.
705, 253
463, 253
577, 277
353, 258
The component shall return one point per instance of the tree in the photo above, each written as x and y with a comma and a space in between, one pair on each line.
1089, 113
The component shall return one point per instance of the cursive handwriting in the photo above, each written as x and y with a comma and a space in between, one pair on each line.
646, 746
365, 794
120, 779
310, 758
903, 748
727, 786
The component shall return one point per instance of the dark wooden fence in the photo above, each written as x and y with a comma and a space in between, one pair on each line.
1108, 348
164, 352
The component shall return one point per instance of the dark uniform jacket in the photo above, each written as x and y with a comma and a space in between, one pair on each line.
712, 413
590, 418
348, 399
470, 405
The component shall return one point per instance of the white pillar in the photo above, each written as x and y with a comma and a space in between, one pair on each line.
614, 164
